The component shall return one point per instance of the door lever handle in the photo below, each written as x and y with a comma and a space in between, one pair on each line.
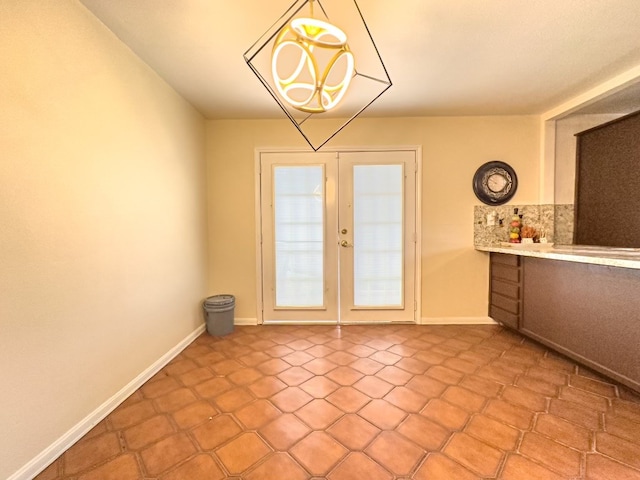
344, 243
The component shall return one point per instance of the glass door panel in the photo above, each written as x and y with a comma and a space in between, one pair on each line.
377, 235
299, 235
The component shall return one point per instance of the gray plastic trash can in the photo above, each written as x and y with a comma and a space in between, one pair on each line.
219, 312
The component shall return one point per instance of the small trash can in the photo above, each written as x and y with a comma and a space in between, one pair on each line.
219, 312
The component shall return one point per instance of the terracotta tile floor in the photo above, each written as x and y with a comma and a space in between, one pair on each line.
365, 402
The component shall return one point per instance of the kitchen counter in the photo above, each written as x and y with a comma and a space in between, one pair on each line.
608, 256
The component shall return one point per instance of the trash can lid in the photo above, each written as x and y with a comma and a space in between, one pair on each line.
219, 300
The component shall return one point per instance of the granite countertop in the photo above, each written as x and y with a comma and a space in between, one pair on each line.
625, 258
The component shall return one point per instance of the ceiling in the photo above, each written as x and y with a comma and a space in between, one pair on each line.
444, 57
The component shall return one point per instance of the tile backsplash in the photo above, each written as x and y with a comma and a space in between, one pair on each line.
554, 222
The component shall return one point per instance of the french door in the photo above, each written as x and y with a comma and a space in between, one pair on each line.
338, 236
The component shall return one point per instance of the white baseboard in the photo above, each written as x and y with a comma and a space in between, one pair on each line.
57, 448
245, 321
457, 321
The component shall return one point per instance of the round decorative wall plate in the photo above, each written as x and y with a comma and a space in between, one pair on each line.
495, 183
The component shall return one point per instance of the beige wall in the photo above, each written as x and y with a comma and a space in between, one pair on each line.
102, 221
454, 275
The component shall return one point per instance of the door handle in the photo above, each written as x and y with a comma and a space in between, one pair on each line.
344, 243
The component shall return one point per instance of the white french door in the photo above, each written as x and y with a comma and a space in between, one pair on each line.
338, 236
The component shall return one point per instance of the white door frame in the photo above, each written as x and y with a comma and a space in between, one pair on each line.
418, 220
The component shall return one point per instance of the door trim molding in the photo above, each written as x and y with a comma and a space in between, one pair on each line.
417, 149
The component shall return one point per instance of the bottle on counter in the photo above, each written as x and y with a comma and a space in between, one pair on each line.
514, 227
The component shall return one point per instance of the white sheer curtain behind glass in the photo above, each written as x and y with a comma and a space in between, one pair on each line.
378, 235
299, 236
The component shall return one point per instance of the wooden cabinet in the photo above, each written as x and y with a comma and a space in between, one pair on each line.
505, 305
590, 313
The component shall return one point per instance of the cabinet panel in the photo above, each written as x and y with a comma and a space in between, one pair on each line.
505, 289
588, 312
506, 273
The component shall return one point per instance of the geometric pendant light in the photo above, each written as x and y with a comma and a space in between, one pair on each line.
320, 64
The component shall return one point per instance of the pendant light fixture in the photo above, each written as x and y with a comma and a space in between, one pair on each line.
320, 74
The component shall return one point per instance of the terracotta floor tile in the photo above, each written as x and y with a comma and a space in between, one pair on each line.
341, 358
493, 432
194, 414
320, 351
445, 374
257, 414
514, 415
603, 468
344, 375
587, 399
320, 366
564, 431
130, 415
175, 400
216, 431
621, 450
266, 387
424, 432
626, 409
537, 385
373, 386
464, 398
382, 414
385, 357
226, 367
406, 399
278, 466
254, 358
446, 414
367, 366
354, 432
233, 400
395, 453
525, 398
284, 432
294, 376
427, 386
91, 451
394, 375
475, 455
273, 366
413, 365
124, 467
298, 358
279, 351
213, 387
319, 414
300, 344
348, 399
518, 467
199, 467
245, 376
290, 399
359, 466
307, 453
148, 432
575, 413
195, 376
319, 386
243, 452
438, 466
403, 350
361, 351
549, 375
621, 427
439, 403
553, 455
162, 455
